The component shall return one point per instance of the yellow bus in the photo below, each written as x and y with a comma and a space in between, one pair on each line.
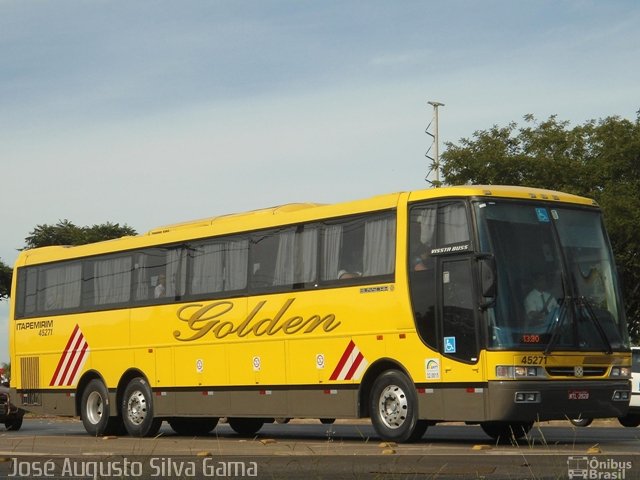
492, 305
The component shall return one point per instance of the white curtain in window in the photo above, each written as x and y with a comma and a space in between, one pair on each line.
427, 221
379, 247
62, 287
331, 247
112, 280
307, 246
142, 286
285, 258
208, 268
453, 228
236, 263
176, 272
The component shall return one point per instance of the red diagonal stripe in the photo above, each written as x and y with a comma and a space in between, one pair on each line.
64, 354
78, 362
343, 360
73, 354
355, 366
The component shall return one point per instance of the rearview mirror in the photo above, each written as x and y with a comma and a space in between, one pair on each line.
487, 269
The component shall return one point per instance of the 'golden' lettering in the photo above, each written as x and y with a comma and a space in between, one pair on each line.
214, 317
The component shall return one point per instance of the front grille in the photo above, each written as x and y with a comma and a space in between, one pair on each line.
571, 371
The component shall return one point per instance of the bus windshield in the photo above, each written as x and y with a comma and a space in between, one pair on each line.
557, 288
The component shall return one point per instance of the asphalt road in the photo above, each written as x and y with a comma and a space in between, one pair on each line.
311, 450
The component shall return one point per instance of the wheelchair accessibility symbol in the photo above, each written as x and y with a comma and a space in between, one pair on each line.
449, 344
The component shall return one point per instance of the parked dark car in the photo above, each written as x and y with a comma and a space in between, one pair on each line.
10, 415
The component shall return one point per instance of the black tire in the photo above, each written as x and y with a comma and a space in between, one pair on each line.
95, 411
246, 426
14, 423
137, 409
506, 431
193, 425
629, 420
581, 422
394, 408
327, 421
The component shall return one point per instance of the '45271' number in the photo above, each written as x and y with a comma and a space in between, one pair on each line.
534, 360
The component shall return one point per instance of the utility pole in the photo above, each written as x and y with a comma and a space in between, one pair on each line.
435, 161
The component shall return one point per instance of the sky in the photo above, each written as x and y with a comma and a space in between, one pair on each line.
148, 113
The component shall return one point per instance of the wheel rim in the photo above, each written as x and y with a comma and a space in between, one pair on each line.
393, 406
95, 408
137, 407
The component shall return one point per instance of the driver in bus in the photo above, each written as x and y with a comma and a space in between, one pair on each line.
539, 302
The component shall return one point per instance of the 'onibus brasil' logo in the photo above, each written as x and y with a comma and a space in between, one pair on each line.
217, 318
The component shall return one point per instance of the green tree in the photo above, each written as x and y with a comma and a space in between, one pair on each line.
5, 280
598, 159
66, 233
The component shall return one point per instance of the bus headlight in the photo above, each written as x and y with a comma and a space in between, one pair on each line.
624, 372
517, 371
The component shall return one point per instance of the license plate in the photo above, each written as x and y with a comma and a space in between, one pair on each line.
578, 395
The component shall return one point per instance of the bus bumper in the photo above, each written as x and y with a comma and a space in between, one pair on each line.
556, 400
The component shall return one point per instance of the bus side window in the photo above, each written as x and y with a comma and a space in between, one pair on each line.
218, 266
453, 226
358, 247
263, 251
284, 259
160, 273
60, 287
112, 280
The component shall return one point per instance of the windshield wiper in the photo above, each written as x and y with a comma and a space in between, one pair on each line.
558, 321
576, 304
584, 302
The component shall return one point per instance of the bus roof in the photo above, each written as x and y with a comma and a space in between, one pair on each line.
283, 215
500, 191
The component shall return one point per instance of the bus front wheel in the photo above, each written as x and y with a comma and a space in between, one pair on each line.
95, 410
394, 408
137, 409
506, 431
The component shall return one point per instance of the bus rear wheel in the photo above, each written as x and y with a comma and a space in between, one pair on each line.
137, 409
192, 425
246, 426
95, 410
394, 408
506, 431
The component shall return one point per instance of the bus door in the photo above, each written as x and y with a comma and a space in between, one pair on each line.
462, 373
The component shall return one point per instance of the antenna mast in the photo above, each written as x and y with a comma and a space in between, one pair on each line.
435, 160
